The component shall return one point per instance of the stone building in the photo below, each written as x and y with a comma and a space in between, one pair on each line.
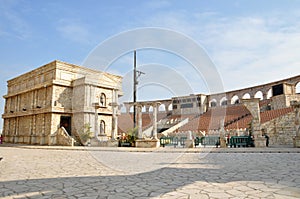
265, 109
58, 103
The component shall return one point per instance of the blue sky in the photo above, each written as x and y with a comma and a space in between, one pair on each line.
251, 42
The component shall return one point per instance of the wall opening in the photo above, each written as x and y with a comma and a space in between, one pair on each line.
235, 100
259, 95
269, 94
162, 108
213, 103
65, 121
224, 101
246, 96
298, 88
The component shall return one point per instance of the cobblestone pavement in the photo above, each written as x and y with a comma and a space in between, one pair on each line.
40, 173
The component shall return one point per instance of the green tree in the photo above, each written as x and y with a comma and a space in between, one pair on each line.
86, 133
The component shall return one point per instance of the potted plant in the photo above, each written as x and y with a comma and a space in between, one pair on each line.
86, 135
129, 138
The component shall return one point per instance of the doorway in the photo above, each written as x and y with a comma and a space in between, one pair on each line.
65, 121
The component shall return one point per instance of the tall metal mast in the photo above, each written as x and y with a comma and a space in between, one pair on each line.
136, 75
134, 89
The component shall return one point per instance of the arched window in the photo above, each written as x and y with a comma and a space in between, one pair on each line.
213, 104
102, 100
102, 127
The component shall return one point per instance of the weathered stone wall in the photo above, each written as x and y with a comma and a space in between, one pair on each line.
283, 101
62, 96
281, 130
37, 100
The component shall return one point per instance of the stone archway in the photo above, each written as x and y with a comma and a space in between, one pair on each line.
224, 101
246, 96
235, 100
162, 108
269, 93
213, 103
297, 88
259, 95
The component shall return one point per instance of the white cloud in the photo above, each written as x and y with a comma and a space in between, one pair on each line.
11, 22
74, 31
251, 51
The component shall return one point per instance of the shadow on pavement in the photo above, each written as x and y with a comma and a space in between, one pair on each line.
162, 181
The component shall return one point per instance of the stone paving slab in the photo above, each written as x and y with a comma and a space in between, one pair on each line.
33, 172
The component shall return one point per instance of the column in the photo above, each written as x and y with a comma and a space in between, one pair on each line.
265, 95
253, 106
127, 106
296, 139
114, 104
222, 134
154, 131
139, 121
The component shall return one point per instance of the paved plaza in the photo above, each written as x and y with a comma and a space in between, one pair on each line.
37, 172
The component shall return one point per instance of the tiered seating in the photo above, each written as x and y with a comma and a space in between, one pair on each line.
234, 116
212, 118
125, 121
264, 117
272, 114
241, 123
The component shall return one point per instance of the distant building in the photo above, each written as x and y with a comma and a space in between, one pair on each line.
39, 103
260, 110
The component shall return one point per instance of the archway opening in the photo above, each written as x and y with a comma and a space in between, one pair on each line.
246, 96
259, 95
131, 109
298, 88
170, 107
162, 108
123, 109
224, 101
269, 94
151, 109
235, 100
213, 103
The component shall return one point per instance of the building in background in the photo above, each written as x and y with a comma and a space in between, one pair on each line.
59, 103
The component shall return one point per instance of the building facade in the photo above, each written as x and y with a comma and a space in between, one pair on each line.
59, 95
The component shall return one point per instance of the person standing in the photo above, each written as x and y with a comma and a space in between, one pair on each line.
267, 140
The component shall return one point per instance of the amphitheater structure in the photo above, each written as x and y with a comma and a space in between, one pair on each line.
267, 109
